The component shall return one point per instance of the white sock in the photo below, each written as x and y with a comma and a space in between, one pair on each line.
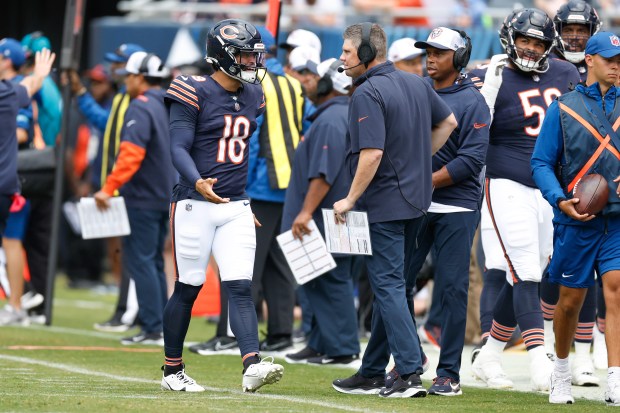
495, 345
613, 375
538, 353
582, 349
562, 366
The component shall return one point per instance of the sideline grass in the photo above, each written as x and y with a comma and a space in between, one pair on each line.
69, 367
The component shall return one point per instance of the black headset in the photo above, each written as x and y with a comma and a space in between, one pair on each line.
462, 54
325, 84
366, 51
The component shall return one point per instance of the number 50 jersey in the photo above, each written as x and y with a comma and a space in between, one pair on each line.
522, 101
224, 123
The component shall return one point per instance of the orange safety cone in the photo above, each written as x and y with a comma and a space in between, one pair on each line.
207, 303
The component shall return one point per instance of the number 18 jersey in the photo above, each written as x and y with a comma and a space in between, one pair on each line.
224, 124
520, 109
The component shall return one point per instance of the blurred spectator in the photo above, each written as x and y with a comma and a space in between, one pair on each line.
469, 13
549, 6
327, 13
406, 56
377, 7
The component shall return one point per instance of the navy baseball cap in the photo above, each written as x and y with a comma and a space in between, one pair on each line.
605, 44
12, 49
121, 55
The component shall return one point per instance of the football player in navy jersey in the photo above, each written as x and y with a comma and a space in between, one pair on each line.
516, 226
575, 22
211, 119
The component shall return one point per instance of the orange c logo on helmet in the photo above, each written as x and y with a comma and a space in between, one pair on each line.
229, 32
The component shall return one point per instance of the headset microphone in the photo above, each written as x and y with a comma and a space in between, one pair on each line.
342, 68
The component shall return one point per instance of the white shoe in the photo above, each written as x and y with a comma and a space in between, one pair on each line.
9, 316
180, 382
599, 352
560, 392
31, 300
487, 367
540, 371
259, 374
583, 371
612, 395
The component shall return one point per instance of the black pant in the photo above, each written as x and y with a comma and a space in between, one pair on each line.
273, 278
37, 241
5, 204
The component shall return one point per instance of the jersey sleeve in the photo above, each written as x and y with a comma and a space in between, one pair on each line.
328, 152
366, 123
137, 124
184, 91
477, 77
261, 103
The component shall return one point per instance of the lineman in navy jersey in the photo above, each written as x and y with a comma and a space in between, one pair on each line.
516, 226
211, 120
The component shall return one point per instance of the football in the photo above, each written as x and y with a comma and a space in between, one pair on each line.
593, 192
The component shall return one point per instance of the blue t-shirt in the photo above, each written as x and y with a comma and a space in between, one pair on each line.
218, 145
320, 153
12, 97
395, 111
522, 101
146, 125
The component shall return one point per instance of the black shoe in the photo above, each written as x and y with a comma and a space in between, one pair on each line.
217, 345
339, 360
412, 387
144, 338
113, 325
277, 344
358, 384
301, 356
445, 386
391, 377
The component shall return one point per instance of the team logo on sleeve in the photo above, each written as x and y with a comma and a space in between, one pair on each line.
199, 78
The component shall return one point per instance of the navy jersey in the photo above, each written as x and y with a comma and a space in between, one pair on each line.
582, 68
520, 109
223, 124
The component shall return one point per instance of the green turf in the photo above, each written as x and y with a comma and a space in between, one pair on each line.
44, 380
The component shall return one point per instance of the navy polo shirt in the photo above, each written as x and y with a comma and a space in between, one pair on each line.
394, 111
321, 153
12, 97
146, 125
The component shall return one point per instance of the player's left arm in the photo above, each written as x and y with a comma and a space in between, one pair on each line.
473, 141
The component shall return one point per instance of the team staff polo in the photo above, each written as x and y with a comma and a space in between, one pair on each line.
146, 180
401, 188
214, 127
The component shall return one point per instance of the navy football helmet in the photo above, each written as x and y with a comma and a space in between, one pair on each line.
572, 47
529, 23
235, 47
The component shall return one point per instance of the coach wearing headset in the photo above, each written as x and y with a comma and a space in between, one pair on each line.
396, 123
454, 213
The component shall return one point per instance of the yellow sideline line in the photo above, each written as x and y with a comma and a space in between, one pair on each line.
80, 370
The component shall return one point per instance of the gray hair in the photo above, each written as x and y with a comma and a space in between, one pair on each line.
378, 38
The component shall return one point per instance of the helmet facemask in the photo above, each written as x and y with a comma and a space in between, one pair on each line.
527, 60
248, 66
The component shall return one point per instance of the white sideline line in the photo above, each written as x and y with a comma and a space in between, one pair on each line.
79, 370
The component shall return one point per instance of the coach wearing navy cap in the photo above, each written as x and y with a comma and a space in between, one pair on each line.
578, 137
